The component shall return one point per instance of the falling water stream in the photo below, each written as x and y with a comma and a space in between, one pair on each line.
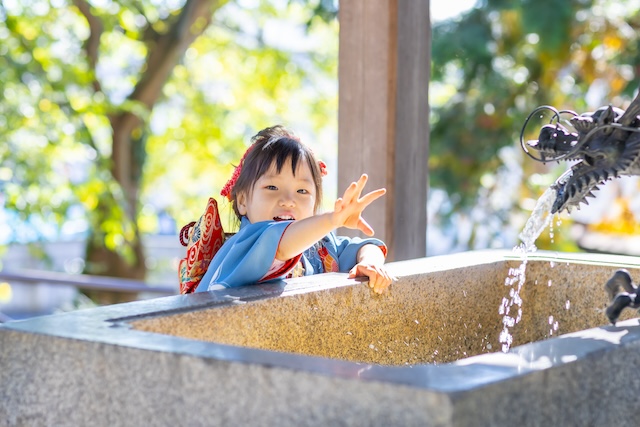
511, 306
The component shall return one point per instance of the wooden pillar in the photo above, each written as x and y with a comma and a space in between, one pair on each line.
383, 114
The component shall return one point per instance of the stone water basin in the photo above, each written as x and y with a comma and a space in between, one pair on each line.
324, 350
441, 316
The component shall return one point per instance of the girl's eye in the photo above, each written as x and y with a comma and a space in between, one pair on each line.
271, 187
303, 191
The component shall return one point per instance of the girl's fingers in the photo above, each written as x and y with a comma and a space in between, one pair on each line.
354, 191
365, 200
351, 205
376, 281
379, 278
382, 281
370, 197
365, 227
355, 188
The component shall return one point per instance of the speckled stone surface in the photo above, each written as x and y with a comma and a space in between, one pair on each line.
438, 317
326, 351
54, 382
421, 320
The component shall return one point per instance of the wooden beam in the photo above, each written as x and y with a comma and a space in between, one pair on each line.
383, 127
412, 129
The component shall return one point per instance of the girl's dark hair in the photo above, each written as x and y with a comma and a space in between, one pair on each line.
275, 144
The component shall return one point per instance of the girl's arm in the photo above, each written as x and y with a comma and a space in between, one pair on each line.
370, 254
302, 234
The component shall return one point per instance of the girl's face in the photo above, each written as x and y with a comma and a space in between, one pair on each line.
280, 196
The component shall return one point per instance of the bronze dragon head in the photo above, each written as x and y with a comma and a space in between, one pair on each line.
605, 144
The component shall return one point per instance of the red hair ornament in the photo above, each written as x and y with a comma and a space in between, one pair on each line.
228, 187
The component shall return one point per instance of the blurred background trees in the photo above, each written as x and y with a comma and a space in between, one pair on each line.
119, 118
492, 66
116, 114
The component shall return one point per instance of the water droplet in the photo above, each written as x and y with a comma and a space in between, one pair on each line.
508, 321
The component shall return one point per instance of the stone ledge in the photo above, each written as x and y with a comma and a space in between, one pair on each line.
91, 366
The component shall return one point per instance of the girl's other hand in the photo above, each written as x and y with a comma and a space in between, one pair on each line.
379, 278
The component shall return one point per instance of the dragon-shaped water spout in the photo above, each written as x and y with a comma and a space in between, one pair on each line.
606, 144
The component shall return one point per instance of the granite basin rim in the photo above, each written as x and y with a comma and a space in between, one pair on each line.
110, 325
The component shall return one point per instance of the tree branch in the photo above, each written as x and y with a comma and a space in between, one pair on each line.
169, 47
92, 45
163, 55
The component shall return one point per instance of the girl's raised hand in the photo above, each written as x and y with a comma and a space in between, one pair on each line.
348, 209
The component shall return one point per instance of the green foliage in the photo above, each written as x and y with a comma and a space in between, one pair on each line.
60, 104
45, 98
235, 81
496, 63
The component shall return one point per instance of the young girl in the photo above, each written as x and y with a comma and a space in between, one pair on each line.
275, 192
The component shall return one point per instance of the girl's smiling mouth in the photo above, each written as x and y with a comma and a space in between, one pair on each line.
283, 218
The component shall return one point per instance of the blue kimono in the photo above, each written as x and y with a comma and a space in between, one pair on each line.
247, 256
